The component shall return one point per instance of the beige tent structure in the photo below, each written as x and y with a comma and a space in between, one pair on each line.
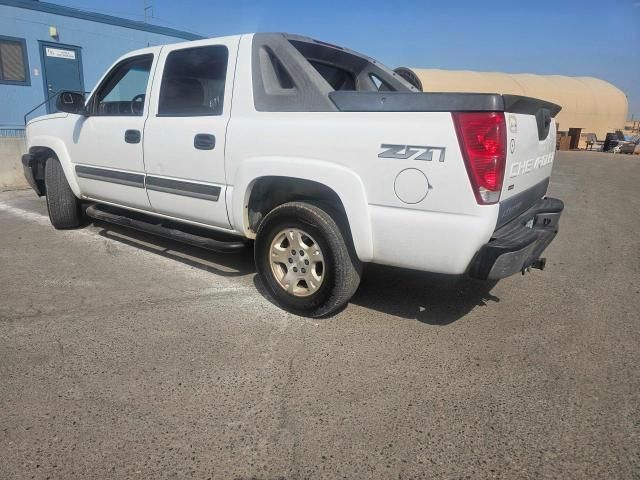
588, 103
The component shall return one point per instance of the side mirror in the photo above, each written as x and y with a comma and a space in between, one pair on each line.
71, 102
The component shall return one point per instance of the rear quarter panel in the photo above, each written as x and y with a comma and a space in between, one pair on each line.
440, 233
443, 230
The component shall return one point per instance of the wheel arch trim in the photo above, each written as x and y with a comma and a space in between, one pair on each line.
345, 183
58, 147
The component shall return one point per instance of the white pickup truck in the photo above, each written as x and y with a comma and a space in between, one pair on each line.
323, 156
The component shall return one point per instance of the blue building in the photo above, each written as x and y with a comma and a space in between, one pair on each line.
46, 48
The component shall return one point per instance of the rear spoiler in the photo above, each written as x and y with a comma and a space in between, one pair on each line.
350, 101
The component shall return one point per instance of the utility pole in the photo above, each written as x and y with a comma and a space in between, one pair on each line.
148, 10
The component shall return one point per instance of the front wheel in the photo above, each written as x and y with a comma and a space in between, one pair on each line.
306, 259
62, 204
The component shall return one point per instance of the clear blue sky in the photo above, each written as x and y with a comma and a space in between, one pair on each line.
567, 37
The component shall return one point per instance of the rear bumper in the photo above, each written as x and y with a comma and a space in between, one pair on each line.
518, 244
28, 165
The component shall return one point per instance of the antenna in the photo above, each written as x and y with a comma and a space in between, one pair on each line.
148, 10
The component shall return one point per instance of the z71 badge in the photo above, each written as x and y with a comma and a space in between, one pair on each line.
415, 152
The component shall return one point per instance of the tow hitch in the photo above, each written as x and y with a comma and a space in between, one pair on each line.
538, 264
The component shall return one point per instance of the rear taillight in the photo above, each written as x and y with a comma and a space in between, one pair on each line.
483, 142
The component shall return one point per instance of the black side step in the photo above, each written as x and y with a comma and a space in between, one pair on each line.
208, 243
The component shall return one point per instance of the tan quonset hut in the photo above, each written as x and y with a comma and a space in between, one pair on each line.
588, 103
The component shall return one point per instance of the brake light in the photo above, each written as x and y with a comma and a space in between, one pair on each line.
483, 142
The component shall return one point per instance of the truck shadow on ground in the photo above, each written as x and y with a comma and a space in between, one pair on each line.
426, 297
223, 264
429, 298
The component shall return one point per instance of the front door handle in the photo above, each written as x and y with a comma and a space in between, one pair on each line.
204, 141
132, 136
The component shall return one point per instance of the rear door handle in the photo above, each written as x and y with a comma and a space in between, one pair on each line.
204, 141
132, 136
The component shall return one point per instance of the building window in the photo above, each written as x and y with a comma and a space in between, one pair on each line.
14, 66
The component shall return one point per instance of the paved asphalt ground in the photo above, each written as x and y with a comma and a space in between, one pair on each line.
127, 356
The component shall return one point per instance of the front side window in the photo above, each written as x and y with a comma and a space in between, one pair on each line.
14, 69
193, 82
123, 91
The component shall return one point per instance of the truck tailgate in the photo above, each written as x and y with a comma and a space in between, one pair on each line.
531, 139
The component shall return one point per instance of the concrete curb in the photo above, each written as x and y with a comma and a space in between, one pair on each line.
11, 174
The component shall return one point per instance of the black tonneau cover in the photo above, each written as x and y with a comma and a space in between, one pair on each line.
353, 101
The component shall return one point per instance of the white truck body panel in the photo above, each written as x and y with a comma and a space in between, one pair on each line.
304, 154
440, 230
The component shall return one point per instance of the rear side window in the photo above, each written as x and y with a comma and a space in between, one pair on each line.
193, 82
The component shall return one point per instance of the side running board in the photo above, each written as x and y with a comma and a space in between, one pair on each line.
94, 211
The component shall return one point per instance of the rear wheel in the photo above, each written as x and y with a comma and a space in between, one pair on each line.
306, 260
62, 204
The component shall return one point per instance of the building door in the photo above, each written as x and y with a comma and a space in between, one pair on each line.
61, 70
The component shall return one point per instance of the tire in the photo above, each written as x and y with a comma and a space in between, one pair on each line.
317, 232
62, 204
